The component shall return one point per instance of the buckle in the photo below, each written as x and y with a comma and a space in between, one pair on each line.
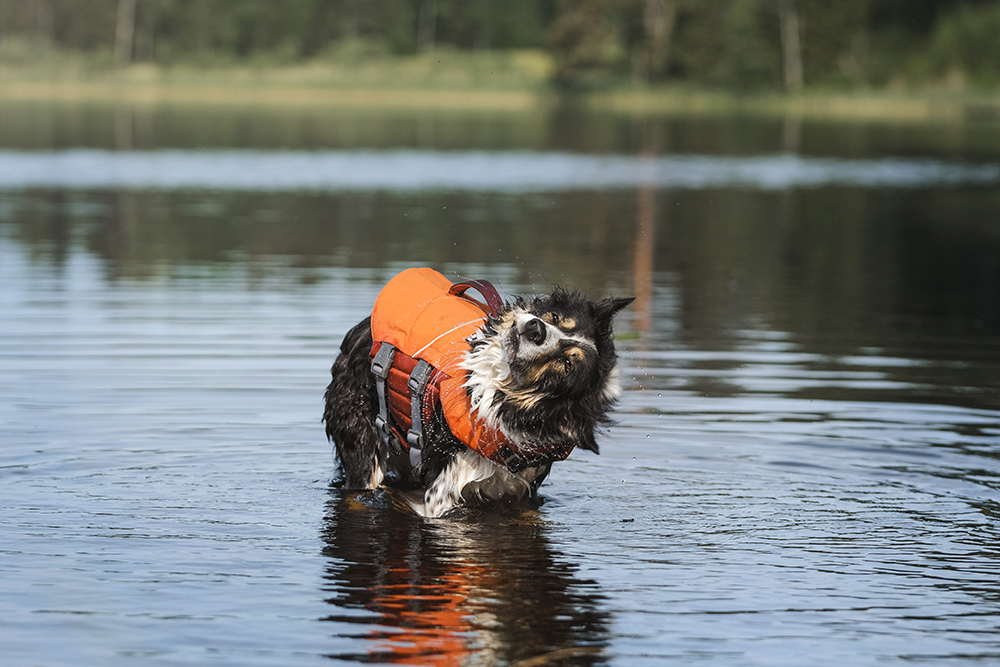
383, 361
419, 377
514, 462
389, 436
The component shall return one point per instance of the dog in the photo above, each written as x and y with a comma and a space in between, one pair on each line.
452, 402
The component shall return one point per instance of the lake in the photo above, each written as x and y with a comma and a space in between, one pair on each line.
804, 468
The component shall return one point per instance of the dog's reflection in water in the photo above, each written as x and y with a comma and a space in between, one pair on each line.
471, 589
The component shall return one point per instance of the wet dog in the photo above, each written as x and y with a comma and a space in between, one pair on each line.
536, 378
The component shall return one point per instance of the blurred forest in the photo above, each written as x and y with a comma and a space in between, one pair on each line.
732, 44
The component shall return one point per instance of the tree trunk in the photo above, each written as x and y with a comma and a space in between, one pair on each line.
426, 26
658, 20
125, 31
791, 44
43, 19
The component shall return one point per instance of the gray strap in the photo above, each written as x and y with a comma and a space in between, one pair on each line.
380, 369
418, 383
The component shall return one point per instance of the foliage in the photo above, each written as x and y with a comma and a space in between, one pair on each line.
737, 46
969, 41
734, 44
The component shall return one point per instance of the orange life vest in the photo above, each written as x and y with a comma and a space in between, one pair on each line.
424, 317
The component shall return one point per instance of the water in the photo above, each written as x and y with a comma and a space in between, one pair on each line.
805, 468
335, 171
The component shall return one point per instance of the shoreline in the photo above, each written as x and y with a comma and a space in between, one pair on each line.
310, 88
269, 95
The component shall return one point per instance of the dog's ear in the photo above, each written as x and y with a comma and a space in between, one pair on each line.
605, 309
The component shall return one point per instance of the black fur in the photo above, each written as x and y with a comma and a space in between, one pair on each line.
351, 407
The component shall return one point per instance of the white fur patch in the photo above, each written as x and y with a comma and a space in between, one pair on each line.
613, 388
446, 491
378, 473
489, 371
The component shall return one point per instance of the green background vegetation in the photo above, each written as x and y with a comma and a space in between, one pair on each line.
737, 45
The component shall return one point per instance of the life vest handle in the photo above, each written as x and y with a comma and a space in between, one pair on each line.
484, 287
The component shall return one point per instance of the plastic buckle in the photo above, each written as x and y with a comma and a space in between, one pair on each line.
513, 461
389, 437
380, 369
383, 361
419, 377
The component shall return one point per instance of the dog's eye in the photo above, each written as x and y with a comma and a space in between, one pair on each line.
567, 365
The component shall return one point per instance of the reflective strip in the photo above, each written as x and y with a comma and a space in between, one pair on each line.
454, 328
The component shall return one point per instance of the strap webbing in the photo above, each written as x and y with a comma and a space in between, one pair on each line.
417, 383
380, 369
484, 287
515, 462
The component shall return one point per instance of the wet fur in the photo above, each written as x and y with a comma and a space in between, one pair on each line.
542, 371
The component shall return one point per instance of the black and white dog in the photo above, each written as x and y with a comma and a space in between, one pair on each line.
543, 372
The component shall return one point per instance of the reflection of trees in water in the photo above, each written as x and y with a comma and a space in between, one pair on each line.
836, 268
545, 236
475, 589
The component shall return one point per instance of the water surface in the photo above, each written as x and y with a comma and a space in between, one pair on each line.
804, 469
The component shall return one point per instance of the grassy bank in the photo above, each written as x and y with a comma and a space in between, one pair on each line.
897, 106
497, 80
444, 78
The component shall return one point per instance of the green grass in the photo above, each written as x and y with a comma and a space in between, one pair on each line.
361, 74
351, 65
896, 105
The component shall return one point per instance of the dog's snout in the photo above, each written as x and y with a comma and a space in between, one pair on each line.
534, 331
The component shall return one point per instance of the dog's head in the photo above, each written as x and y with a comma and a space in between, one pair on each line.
545, 371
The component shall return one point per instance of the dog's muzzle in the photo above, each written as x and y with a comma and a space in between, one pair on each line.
534, 331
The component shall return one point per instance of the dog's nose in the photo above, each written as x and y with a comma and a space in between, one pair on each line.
534, 331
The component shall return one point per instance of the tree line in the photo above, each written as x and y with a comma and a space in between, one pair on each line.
742, 44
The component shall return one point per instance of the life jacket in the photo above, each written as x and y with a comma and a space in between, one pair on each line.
420, 326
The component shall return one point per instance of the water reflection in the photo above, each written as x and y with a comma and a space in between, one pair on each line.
474, 590
564, 127
834, 272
